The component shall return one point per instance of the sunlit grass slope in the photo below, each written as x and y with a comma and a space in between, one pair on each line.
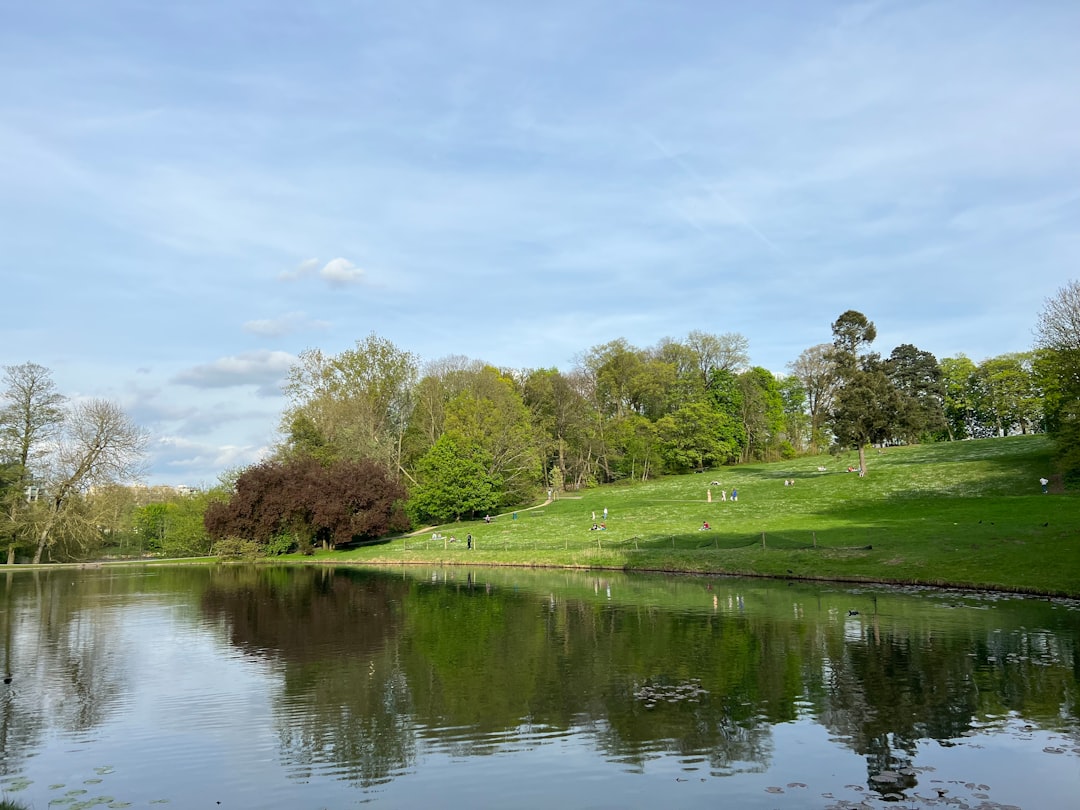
963, 513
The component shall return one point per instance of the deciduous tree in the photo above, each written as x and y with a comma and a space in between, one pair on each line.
1007, 396
30, 417
352, 405
490, 414
99, 444
1057, 337
817, 372
796, 418
762, 413
454, 479
307, 502
959, 396
696, 437
727, 352
1058, 325
561, 420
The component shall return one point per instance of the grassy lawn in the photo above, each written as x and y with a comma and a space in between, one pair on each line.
963, 513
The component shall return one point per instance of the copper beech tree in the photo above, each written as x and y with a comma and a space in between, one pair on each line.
301, 503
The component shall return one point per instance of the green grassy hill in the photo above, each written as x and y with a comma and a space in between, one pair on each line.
964, 513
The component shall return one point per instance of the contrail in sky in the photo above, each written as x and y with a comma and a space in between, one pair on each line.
697, 178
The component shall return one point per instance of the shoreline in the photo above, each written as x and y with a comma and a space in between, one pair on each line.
444, 563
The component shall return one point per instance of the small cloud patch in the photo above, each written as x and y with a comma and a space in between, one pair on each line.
337, 272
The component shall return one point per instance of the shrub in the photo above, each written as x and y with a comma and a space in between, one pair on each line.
236, 548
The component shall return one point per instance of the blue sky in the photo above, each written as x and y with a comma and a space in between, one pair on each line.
192, 193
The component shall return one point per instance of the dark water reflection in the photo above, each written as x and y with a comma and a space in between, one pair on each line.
319, 687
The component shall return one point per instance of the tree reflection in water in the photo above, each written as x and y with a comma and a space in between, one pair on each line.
375, 671
374, 660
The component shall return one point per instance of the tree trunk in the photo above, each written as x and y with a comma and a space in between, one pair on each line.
562, 459
11, 554
46, 532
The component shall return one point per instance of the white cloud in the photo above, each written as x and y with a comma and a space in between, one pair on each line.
264, 369
286, 324
188, 462
338, 272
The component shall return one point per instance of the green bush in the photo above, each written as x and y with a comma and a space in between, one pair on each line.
233, 548
279, 544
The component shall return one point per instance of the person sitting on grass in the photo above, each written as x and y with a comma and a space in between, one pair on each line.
705, 526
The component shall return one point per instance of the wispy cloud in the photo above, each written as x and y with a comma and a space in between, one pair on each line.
286, 324
711, 190
263, 369
518, 183
199, 461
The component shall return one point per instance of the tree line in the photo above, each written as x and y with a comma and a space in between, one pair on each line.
372, 438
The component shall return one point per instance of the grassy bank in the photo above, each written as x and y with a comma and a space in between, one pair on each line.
969, 514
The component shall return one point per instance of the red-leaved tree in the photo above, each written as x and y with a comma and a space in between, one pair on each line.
305, 503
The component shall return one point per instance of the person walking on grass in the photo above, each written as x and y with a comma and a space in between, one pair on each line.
734, 494
1045, 485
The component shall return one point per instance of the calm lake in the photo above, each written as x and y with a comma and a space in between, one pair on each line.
310, 687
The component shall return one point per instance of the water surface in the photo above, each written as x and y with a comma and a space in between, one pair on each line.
265, 687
